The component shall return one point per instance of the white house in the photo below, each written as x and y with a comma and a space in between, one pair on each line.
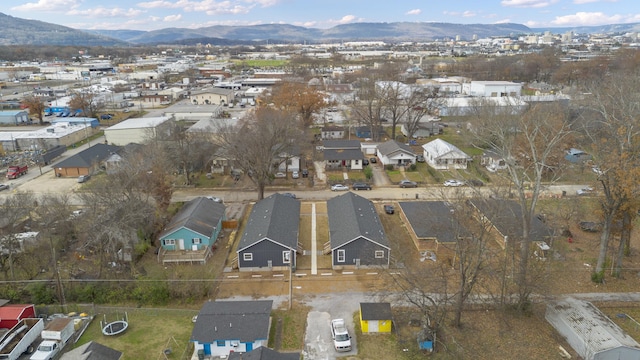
395, 153
441, 155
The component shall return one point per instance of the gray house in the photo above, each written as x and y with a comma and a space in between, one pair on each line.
396, 153
590, 332
264, 353
92, 351
270, 239
356, 236
14, 117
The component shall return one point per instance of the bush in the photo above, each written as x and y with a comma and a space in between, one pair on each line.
41, 293
598, 277
412, 167
368, 172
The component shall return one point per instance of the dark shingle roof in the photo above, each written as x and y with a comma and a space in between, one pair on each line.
199, 215
89, 157
349, 154
375, 311
92, 351
263, 353
433, 219
352, 216
392, 146
341, 144
276, 218
505, 216
245, 321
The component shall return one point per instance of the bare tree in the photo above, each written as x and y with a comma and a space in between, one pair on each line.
422, 102
368, 108
256, 144
87, 102
14, 211
531, 145
614, 132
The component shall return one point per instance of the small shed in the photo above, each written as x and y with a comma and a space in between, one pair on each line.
375, 318
590, 332
11, 314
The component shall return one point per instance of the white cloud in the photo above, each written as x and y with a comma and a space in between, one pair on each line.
592, 18
503, 21
48, 5
528, 3
210, 7
414, 12
347, 19
468, 14
101, 12
172, 18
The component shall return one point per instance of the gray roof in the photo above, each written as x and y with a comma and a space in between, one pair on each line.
92, 351
89, 157
392, 146
348, 154
276, 218
505, 216
433, 219
350, 217
264, 353
245, 321
341, 144
375, 311
199, 215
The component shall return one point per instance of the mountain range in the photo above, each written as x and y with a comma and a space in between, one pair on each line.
17, 31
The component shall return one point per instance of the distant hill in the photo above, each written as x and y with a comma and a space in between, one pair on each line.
398, 31
601, 29
17, 31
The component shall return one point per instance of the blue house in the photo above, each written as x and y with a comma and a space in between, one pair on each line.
223, 327
270, 239
193, 231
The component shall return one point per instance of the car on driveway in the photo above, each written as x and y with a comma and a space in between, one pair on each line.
389, 209
339, 187
361, 186
84, 178
295, 175
280, 175
373, 160
453, 183
408, 184
420, 158
4, 187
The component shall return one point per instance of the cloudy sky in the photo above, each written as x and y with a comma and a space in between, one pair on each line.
157, 14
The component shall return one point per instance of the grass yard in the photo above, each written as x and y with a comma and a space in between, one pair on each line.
150, 332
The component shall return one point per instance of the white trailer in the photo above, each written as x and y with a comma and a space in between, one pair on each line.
20, 338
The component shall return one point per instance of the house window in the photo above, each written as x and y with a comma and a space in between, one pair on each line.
169, 241
247, 256
356, 162
341, 255
197, 241
220, 343
379, 254
286, 257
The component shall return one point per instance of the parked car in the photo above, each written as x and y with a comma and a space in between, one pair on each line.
408, 184
305, 173
339, 187
215, 199
453, 183
420, 158
365, 162
373, 160
83, 178
291, 195
585, 191
361, 186
106, 117
389, 209
590, 226
295, 175
280, 175
4, 187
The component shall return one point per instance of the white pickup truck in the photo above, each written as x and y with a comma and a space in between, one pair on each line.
340, 335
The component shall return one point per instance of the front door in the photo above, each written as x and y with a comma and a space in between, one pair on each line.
373, 325
181, 244
207, 349
249, 346
357, 263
